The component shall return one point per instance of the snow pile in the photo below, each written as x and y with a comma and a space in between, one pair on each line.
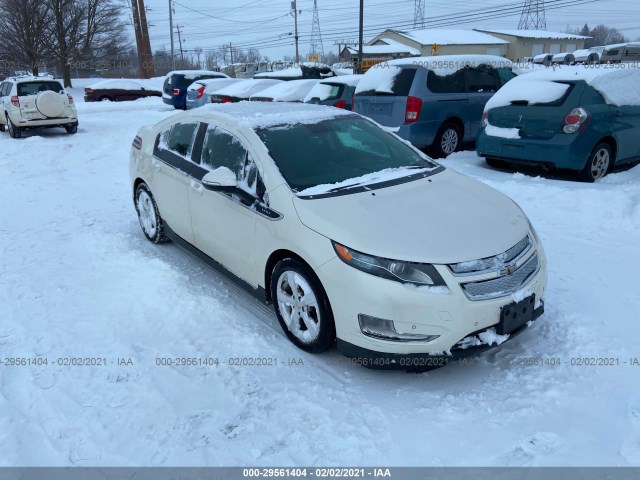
291, 91
444, 65
379, 78
246, 88
618, 86
508, 133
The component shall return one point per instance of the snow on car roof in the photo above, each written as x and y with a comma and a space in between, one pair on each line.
294, 72
381, 77
196, 73
246, 88
291, 91
618, 86
116, 83
351, 80
213, 83
322, 90
257, 115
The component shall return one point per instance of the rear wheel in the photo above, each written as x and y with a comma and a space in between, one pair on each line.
14, 132
447, 141
302, 306
149, 216
105, 99
71, 129
599, 163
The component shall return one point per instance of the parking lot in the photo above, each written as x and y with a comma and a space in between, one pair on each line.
80, 282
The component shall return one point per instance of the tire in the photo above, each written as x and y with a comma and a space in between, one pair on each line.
71, 129
495, 163
309, 323
599, 163
447, 141
14, 132
105, 99
2, 127
149, 216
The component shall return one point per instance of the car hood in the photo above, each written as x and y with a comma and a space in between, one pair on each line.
445, 218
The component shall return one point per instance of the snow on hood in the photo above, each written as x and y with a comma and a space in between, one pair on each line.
618, 86
291, 91
256, 115
445, 218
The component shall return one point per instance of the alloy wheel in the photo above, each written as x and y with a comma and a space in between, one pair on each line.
298, 306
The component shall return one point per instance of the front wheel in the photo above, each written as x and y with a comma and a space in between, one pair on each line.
149, 216
599, 163
71, 129
447, 141
302, 306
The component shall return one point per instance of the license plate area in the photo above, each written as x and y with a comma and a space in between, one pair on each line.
515, 315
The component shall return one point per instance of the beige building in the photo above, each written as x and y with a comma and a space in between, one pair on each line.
529, 43
433, 41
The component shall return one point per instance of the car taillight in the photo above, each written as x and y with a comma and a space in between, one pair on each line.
485, 119
176, 92
414, 106
226, 100
15, 101
137, 143
200, 92
70, 99
340, 104
576, 120
88, 90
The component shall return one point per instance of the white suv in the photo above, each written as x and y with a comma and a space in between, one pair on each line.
35, 103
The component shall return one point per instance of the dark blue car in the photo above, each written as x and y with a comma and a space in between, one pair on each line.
174, 91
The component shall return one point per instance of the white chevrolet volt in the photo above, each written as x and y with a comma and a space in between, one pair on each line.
356, 238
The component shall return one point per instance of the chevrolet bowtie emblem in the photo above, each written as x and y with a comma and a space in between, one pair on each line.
508, 270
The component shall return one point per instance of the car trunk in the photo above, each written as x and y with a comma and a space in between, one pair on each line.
386, 104
542, 120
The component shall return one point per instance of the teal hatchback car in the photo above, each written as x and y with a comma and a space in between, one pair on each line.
577, 118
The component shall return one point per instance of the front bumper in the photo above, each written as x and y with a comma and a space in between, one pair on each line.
449, 316
421, 362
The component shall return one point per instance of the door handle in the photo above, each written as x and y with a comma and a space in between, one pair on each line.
197, 186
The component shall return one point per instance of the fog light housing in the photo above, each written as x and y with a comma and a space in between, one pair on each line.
385, 330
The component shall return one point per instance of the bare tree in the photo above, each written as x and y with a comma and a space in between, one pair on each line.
22, 29
600, 35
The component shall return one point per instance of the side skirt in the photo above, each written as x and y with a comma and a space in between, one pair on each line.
259, 293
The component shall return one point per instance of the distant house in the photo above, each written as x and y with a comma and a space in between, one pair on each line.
436, 41
385, 49
531, 43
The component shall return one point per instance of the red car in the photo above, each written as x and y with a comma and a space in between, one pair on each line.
118, 90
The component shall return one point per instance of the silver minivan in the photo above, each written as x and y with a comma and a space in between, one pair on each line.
628, 52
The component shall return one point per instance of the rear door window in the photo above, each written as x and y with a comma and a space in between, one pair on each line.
454, 83
481, 80
33, 88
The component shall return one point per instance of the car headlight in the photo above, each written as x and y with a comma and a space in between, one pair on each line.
420, 274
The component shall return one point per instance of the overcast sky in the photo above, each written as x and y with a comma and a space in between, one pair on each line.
268, 25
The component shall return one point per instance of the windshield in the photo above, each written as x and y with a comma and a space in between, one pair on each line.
339, 154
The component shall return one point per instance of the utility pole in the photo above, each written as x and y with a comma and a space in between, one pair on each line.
173, 53
139, 41
181, 52
231, 53
147, 55
294, 6
360, 35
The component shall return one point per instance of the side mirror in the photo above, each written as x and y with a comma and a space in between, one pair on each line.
221, 179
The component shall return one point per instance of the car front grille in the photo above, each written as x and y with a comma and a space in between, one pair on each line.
484, 265
504, 285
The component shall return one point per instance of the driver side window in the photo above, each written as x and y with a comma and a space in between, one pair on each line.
222, 149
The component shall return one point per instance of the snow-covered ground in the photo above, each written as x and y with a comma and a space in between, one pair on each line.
78, 279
